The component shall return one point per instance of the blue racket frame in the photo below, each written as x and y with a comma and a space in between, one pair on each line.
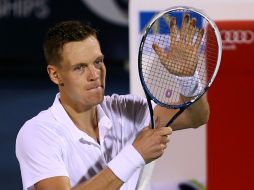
150, 97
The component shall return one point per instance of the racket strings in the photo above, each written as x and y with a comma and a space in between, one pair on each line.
156, 81
177, 47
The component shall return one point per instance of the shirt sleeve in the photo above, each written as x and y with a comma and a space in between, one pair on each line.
38, 150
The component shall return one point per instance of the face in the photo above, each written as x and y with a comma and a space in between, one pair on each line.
81, 77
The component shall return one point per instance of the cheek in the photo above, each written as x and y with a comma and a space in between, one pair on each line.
103, 75
73, 82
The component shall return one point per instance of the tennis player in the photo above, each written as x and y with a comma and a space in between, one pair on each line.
86, 140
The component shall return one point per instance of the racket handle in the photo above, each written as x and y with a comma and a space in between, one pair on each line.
151, 113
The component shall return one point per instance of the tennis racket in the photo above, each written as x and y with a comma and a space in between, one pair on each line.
179, 55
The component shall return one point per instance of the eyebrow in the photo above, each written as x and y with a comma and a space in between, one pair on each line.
85, 64
79, 64
100, 57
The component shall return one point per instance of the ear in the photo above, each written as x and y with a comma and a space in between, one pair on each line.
54, 74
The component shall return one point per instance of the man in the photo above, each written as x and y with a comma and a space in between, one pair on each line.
85, 140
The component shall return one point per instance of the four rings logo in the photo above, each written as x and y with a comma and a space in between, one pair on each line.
237, 36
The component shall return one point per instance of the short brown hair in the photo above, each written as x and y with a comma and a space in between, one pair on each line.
61, 33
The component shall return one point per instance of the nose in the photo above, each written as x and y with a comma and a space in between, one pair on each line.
93, 73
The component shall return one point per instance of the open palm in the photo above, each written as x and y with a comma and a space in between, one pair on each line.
182, 56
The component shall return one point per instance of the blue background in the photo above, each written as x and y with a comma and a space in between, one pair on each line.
25, 88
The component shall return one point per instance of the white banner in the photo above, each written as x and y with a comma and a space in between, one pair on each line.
185, 158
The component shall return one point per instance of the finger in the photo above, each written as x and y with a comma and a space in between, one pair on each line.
173, 30
167, 18
160, 150
159, 51
191, 32
155, 27
163, 146
199, 39
164, 131
184, 28
170, 128
165, 139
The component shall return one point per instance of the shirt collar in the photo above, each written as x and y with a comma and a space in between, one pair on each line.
104, 123
59, 113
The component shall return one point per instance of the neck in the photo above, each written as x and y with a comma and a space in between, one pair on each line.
85, 120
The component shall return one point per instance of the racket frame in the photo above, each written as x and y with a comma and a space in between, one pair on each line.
149, 95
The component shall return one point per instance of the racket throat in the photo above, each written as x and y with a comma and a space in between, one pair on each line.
151, 112
174, 117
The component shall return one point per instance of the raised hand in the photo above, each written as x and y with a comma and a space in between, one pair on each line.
182, 56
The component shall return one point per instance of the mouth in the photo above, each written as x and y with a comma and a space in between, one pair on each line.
95, 86
95, 91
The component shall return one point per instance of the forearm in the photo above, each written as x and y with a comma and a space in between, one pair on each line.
198, 113
105, 180
119, 170
194, 116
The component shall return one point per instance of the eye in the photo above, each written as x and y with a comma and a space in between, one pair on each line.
79, 68
99, 61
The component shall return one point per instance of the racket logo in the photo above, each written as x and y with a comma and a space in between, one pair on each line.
237, 36
168, 93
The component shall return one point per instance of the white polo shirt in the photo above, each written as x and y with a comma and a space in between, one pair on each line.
51, 145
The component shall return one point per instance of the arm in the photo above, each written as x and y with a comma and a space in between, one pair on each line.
198, 113
39, 151
106, 179
194, 116
150, 144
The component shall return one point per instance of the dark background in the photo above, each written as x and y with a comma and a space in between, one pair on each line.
25, 88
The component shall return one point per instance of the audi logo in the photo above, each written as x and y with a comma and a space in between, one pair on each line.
237, 36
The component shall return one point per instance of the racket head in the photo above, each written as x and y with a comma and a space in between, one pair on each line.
158, 83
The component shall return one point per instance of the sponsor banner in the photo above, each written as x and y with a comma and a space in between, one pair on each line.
115, 11
179, 170
230, 128
24, 23
39, 9
229, 142
146, 16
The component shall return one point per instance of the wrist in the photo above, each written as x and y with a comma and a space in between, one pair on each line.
126, 163
189, 86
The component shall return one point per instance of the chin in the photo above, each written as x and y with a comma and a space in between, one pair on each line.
100, 98
96, 99
94, 96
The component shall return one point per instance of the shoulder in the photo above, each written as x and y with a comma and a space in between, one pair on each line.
38, 131
40, 149
41, 122
125, 106
124, 100
123, 103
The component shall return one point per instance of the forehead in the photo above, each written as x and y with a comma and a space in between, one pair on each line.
84, 51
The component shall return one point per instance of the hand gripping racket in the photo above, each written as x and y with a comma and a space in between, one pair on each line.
179, 56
